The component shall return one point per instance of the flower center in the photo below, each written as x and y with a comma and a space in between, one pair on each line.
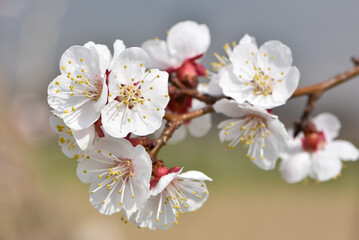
313, 141
130, 95
251, 131
262, 83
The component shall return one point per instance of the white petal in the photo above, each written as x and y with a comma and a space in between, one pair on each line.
296, 167
194, 176
85, 137
179, 135
284, 89
247, 39
118, 48
147, 216
159, 56
188, 39
199, 127
274, 55
196, 194
233, 86
344, 149
228, 107
214, 89
329, 124
77, 58
130, 64
325, 165
163, 182
104, 55
244, 60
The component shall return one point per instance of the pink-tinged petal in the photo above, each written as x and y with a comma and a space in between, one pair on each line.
329, 124
243, 59
296, 167
85, 137
188, 39
325, 165
285, 87
118, 48
345, 150
79, 60
103, 53
247, 39
194, 176
163, 183
159, 56
274, 55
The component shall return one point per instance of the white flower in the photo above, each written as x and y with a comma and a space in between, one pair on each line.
66, 139
186, 42
264, 77
137, 98
197, 127
80, 92
261, 131
213, 88
119, 175
317, 155
171, 195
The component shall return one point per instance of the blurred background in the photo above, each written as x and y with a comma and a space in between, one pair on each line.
41, 197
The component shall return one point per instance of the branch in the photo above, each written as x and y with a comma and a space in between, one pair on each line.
328, 84
171, 126
189, 115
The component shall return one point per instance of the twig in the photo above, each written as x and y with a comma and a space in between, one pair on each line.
171, 126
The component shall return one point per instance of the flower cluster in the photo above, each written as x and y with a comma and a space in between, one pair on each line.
112, 115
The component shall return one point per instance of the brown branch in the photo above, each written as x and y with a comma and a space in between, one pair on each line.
171, 126
190, 115
328, 84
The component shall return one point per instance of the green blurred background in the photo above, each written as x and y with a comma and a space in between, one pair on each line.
41, 195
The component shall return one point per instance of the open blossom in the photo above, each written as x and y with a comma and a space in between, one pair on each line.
66, 138
264, 77
316, 154
172, 193
119, 175
186, 43
80, 92
213, 87
263, 133
137, 98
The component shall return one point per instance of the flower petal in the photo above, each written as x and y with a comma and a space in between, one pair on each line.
329, 124
163, 182
285, 87
244, 60
103, 53
274, 55
247, 39
188, 39
118, 48
296, 167
85, 137
199, 127
325, 165
159, 55
194, 176
344, 149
